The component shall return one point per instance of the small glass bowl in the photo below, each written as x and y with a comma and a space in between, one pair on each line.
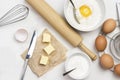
115, 46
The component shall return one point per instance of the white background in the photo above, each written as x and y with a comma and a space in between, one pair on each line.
10, 50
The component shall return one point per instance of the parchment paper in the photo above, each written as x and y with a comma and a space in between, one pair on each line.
57, 57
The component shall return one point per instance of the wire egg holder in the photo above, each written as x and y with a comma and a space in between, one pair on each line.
114, 43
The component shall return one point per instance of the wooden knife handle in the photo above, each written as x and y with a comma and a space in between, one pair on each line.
57, 22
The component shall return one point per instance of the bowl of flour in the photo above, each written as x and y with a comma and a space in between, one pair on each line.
81, 63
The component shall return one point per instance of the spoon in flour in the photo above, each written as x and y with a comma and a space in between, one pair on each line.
64, 74
76, 11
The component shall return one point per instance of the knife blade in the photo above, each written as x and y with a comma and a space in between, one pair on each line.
76, 12
32, 45
29, 54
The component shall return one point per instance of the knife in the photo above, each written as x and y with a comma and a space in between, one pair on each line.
29, 53
76, 12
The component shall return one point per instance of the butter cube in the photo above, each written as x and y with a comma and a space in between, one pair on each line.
46, 37
49, 49
44, 60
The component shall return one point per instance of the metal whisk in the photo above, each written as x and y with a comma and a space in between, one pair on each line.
17, 13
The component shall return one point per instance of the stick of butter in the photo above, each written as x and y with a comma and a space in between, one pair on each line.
49, 49
44, 60
46, 37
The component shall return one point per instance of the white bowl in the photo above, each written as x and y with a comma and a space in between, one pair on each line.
21, 35
68, 12
82, 65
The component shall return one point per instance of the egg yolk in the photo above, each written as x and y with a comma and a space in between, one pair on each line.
85, 11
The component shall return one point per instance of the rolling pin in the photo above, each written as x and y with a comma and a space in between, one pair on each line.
57, 22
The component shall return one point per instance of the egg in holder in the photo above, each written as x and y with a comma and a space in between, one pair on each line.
106, 60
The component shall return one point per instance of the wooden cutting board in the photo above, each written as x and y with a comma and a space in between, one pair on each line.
57, 57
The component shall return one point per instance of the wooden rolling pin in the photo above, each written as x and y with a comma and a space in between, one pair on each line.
60, 25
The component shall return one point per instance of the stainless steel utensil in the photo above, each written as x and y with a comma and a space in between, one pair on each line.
115, 40
29, 54
115, 46
75, 12
66, 73
17, 13
118, 11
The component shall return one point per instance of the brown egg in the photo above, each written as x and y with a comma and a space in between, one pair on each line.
100, 43
108, 26
117, 69
106, 61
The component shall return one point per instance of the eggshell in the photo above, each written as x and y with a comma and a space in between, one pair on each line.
100, 43
117, 69
106, 61
109, 25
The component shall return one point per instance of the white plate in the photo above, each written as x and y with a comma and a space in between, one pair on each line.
82, 65
68, 12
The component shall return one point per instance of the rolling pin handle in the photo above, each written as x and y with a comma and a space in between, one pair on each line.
87, 51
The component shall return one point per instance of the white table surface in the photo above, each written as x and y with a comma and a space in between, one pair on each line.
10, 50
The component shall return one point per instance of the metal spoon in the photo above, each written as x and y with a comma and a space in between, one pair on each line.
118, 11
64, 74
76, 12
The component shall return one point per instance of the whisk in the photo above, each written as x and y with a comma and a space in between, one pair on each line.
17, 13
